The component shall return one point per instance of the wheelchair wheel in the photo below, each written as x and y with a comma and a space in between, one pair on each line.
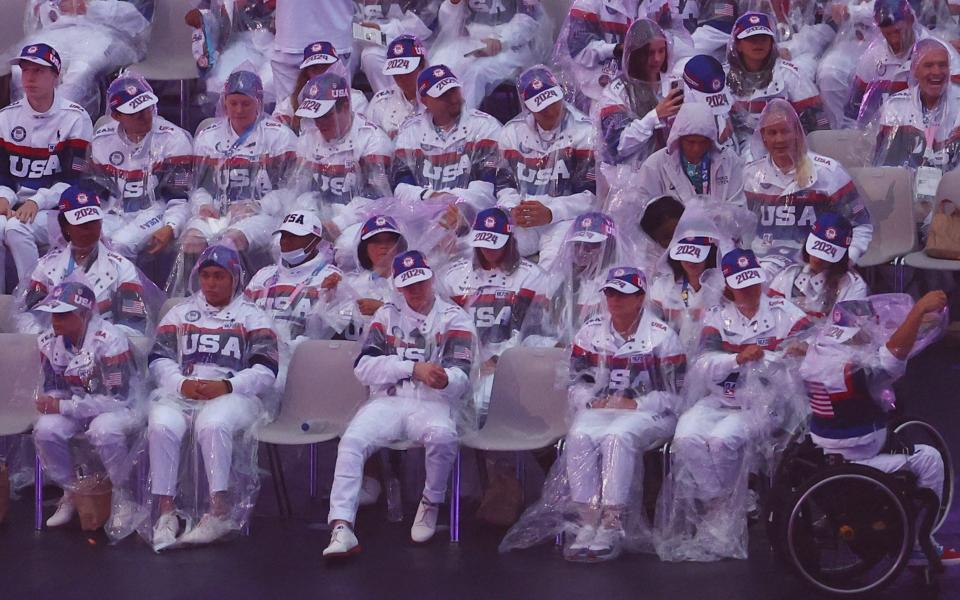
849, 532
920, 432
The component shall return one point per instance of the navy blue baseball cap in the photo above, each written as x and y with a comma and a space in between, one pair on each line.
692, 249
626, 280
741, 269
830, 237
404, 55
436, 81
853, 313
247, 83
890, 12
130, 95
41, 54
592, 227
223, 257
68, 297
753, 23
319, 53
79, 205
539, 88
410, 268
491, 229
320, 95
705, 82
379, 224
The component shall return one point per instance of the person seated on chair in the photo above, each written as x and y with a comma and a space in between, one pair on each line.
416, 361
825, 276
627, 368
87, 368
115, 281
390, 107
380, 241
396, 20
848, 371
144, 165
215, 355
45, 138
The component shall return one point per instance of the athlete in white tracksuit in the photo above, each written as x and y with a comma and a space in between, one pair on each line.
787, 186
416, 361
393, 18
145, 175
379, 241
87, 368
215, 355
627, 367
551, 170
94, 40
406, 58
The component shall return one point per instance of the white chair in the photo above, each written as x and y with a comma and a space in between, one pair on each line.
947, 189
102, 121
11, 31
169, 54
204, 124
850, 147
320, 397
20, 373
7, 324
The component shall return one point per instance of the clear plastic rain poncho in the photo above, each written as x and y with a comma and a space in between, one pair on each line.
586, 54
630, 128
591, 247
228, 33
739, 419
521, 29
805, 29
555, 168
203, 452
93, 38
687, 280
243, 160
837, 66
143, 184
624, 399
393, 18
916, 128
788, 198
92, 400
502, 292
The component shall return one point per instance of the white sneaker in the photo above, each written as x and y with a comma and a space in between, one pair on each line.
165, 531
369, 491
582, 542
65, 513
209, 529
425, 523
606, 544
342, 543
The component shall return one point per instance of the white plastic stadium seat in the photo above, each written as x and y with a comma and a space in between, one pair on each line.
850, 147
948, 189
11, 31
6, 314
20, 373
888, 194
166, 306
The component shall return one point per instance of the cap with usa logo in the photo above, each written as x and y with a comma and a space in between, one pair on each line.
830, 237
79, 205
130, 95
68, 297
378, 224
404, 55
592, 227
321, 94
741, 269
436, 81
410, 268
491, 229
753, 23
319, 53
41, 54
539, 88
301, 223
626, 280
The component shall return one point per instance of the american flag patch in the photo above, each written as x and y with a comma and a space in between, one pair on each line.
723, 9
181, 178
113, 379
463, 353
132, 306
79, 163
819, 399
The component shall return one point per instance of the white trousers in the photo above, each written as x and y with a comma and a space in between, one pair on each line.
106, 432
602, 448
25, 240
128, 234
215, 422
257, 229
388, 420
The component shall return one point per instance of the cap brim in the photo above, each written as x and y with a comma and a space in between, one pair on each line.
442, 87
544, 99
693, 253
489, 239
141, 102
411, 277
373, 232
588, 236
746, 278
401, 66
91, 213
35, 60
318, 59
837, 334
55, 306
296, 229
824, 250
621, 286
752, 31
316, 108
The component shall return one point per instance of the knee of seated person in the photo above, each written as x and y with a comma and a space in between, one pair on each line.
193, 242
50, 428
619, 441
101, 433
163, 423
928, 456
439, 436
724, 443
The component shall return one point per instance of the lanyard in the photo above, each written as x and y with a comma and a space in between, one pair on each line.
685, 292
242, 137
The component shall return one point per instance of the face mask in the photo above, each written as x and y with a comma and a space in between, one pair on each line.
298, 256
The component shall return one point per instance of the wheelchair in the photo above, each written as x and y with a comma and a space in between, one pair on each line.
848, 529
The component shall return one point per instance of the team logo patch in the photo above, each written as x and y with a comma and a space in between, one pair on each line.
754, 20
586, 223
317, 47
314, 89
380, 221
743, 262
619, 273
131, 90
408, 262
32, 50
830, 233
398, 50
438, 72
82, 198
536, 84
489, 222
717, 84
18, 134
192, 316
116, 158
